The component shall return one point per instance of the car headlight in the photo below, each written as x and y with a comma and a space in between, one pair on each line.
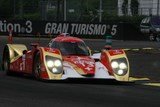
114, 64
54, 70
54, 64
120, 66
57, 63
120, 72
50, 63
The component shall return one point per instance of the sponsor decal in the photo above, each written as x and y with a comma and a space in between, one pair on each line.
115, 52
84, 63
51, 27
80, 29
55, 28
91, 29
17, 27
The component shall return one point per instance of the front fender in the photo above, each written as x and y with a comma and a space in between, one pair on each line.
107, 56
53, 53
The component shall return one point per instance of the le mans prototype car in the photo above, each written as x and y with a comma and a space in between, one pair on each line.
65, 57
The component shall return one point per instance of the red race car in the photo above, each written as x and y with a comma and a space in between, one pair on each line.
65, 57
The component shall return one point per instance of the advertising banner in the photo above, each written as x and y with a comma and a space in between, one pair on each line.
86, 30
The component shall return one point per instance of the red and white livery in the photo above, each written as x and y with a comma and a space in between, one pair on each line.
65, 57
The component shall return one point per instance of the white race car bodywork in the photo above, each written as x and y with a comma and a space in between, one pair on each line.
100, 72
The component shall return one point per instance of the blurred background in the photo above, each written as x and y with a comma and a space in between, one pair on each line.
79, 10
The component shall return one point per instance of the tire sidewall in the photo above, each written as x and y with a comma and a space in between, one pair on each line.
6, 60
36, 73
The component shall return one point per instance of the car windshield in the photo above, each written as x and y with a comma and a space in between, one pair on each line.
73, 48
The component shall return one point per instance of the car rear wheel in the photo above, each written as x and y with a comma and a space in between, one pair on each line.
6, 60
37, 66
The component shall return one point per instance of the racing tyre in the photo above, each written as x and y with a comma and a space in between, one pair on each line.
6, 60
37, 66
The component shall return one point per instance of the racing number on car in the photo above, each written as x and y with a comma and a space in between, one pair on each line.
29, 26
114, 30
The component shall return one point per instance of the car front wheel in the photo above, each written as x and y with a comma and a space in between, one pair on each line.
37, 66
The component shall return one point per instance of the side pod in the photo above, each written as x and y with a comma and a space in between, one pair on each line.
15, 50
50, 60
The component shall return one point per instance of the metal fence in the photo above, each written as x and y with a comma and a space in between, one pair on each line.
76, 10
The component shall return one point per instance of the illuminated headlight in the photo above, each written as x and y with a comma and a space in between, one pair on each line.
120, 72
57, 63
54, 65
50, 64
120, 66
54, 70
114, 64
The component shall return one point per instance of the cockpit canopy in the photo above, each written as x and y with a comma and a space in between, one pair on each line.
70, 46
